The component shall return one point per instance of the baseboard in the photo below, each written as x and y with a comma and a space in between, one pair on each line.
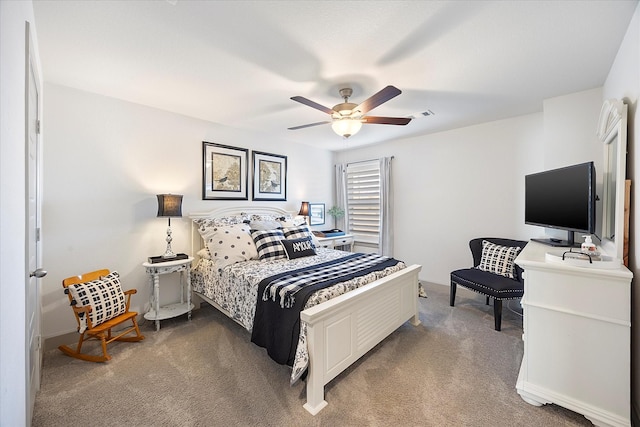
54, 342
71, 338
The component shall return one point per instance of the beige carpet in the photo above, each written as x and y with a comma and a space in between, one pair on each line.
453, 370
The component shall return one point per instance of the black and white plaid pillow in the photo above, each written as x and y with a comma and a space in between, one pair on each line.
268, 244
498, 259
105, 297
299, 232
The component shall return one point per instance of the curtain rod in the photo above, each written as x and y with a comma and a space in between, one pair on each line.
364, 161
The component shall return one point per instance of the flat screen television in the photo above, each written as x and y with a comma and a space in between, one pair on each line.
563, 199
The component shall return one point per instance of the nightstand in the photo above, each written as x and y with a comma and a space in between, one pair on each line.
344, 242
155, 270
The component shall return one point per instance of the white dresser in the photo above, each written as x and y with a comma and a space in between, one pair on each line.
577, 324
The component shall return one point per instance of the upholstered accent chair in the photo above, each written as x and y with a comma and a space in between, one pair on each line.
494, 274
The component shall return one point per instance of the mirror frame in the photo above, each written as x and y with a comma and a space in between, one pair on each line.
612, 131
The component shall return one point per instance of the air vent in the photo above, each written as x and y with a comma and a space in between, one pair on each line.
426, 113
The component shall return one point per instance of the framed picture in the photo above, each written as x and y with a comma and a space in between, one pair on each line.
316, 213
225, 172
269, 176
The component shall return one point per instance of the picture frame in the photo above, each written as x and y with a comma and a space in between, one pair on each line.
225, 172
316, 213
269, 177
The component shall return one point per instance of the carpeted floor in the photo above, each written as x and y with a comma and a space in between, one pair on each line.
452, 370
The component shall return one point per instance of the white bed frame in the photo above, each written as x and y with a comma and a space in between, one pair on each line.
343, 329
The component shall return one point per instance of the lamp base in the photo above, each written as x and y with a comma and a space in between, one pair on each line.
162, 258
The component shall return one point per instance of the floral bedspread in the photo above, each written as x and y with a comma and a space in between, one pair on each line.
235, 289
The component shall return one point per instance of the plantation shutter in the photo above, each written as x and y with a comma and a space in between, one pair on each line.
363, 201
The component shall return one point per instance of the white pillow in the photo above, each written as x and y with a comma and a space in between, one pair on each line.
265, 225
105, 297
230, 244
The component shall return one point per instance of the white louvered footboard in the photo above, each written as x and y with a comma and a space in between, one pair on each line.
343, 329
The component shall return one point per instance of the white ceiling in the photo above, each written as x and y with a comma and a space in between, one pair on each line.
238, 63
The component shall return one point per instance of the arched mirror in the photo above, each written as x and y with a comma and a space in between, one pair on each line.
612, 131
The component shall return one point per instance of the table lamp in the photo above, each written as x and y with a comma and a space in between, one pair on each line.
169, 205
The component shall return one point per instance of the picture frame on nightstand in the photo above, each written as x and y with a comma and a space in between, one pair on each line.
316, 213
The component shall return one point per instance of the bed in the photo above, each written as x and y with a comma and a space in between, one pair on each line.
336, 325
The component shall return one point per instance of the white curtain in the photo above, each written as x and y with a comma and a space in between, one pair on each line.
385, 246
341, 195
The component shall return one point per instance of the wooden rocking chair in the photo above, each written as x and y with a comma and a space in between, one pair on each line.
102, 331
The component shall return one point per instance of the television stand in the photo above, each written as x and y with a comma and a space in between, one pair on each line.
557, 243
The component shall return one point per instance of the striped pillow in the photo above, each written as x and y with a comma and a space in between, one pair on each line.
498, 259
268, 244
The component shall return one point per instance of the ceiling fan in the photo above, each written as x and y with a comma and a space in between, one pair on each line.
347, 118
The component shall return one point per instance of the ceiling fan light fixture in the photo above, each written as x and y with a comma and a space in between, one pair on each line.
346, 127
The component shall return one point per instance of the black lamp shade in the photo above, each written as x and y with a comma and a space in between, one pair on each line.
170, 205
304, 209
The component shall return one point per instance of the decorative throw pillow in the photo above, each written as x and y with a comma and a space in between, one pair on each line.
265, 225
300, 231
230, 244
105, 297
268, 244
498, 259
298, 248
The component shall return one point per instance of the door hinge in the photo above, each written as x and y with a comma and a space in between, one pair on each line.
38, 234
38, 126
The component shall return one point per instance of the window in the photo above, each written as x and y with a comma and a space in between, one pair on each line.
363, 201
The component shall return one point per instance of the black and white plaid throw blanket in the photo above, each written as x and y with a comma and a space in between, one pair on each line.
282, 297
284, 287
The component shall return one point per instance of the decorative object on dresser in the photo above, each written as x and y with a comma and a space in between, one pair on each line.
99, 304
304, 211
323, 334
169, 205
157, 312
577, 337
225, 172
269, 176
494, 273
316, 213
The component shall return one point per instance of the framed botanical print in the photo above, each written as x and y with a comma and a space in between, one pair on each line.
269, 176
225, 172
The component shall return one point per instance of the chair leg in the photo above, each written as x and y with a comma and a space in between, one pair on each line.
104, 346
487, 300
497, 313
452, 294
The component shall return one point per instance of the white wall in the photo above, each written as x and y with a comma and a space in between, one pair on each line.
106, 159
570, 123
623, 82
450, 187
13, 345
453, 186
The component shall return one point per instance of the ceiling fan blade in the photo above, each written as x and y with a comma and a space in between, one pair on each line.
312, 104
386, 120
379, 98
309, 125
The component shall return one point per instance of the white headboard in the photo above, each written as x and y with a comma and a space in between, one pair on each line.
196, 241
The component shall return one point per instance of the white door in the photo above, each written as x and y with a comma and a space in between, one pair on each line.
34, 257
